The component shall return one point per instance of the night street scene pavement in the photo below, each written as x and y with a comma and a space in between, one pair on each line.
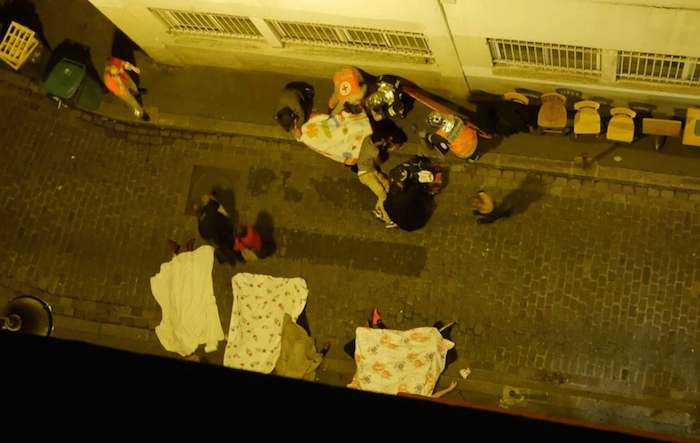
578, 300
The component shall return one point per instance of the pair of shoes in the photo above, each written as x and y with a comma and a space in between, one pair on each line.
145, 117
391, 225
189, 246
173, 246
474, 158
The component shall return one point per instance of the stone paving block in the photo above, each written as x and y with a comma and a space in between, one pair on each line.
491, 181
574, 184
493, 172
548, 179
653, 192
620, 198
75, 324
681, 195
667, 193
520, 175
559, 182
131, 333
508, 175
615, 187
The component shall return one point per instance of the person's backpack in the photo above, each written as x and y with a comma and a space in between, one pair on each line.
419, 171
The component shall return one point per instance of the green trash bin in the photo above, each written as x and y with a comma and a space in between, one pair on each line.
65, 79
90, 94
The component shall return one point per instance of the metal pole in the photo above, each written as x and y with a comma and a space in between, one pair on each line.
454, 46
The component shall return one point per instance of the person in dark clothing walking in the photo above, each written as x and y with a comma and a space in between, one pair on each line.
485, 209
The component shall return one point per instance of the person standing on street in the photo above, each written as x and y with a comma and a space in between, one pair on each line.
120, 83
369, 171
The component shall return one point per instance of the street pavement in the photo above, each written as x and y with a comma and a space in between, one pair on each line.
590, 290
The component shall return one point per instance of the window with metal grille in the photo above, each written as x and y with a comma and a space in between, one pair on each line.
201, 23
545, 56
658, 68
399, 42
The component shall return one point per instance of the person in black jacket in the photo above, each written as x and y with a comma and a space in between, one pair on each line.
216, 227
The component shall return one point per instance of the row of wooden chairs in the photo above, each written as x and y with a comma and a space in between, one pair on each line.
552, 117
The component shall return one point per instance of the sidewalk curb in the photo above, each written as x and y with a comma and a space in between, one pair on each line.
505, 162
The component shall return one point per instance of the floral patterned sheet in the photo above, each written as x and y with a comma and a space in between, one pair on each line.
259, 304
390, 361
338, 137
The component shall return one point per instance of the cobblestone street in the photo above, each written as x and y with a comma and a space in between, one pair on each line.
589, 286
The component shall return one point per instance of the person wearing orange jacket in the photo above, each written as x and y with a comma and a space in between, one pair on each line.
120, 83
349, 89
452, 134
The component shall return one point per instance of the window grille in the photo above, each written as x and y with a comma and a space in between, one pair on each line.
546, 56
658, 68
380, 40
202, 23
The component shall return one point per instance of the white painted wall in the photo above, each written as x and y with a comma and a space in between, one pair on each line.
656, 26
423, 16
580, 22
457, 38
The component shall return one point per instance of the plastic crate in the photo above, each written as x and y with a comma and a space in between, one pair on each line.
17, 44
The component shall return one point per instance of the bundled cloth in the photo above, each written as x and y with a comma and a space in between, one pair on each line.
259, 305
298, 356
337, 137
184, 290
390, 361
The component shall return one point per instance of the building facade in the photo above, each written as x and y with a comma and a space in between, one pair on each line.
624, 50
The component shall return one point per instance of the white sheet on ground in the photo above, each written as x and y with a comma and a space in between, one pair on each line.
338, 137
259, 305
391, 361
185, 292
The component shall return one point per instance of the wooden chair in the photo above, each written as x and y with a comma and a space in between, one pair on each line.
661, 128
621, 125
691, 133
552, 115
517, 98
587, 119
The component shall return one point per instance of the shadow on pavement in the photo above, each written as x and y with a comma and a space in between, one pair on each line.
265, 226
520, 199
